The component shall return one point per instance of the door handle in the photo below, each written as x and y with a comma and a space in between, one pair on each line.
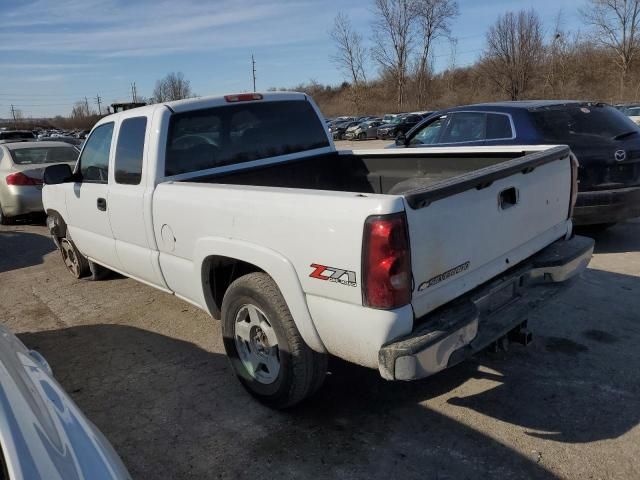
102, 204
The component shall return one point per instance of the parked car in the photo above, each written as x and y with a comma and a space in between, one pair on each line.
605, 141
44, 434
363, 131
303, 250
16, 135
398, 126
21, 168
339, 130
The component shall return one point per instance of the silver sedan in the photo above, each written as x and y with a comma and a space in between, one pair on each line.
21, 167
43, 433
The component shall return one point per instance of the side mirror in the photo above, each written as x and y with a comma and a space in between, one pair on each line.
55, 174
401, 140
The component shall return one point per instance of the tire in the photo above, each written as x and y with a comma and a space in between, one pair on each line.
362, 136
267, 354
76, 263
4, 220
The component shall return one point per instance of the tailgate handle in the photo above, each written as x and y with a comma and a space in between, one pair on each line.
508, 198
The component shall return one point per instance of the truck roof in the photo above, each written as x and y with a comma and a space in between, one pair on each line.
198, 103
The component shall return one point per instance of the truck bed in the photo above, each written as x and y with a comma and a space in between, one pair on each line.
380, 172
472, 214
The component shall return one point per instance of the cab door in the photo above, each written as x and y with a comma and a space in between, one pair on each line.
128, 189
87, 200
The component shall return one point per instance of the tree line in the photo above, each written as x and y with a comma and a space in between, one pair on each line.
522, 57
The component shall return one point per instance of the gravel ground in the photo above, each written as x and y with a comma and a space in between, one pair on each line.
150, 371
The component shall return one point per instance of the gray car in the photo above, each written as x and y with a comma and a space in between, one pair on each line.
43, 433
21, 168
363, 131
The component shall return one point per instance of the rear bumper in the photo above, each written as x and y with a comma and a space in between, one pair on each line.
21, 200
607, 206
467, 325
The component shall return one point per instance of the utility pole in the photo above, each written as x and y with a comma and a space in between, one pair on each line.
98, 99
253, 70
134, 93
86, 105
13, 113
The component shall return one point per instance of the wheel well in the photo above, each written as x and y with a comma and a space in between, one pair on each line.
217, 274
57, 228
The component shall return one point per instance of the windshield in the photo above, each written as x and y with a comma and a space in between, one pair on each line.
38, 155
243, 132
563, 123
396, 120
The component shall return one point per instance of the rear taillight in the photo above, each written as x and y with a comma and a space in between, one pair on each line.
386, 262
21, 179
243, 97
574, 184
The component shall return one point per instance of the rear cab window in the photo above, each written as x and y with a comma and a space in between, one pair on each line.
241, 132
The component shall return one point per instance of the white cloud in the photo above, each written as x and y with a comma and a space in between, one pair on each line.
113, 28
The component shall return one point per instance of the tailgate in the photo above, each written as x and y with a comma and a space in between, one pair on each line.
470, 228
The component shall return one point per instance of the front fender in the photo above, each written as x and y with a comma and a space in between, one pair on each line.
275, 265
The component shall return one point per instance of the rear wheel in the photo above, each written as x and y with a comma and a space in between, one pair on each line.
267, 353
75, 262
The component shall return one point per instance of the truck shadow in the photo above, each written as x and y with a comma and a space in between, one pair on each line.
173, 410
621, 238
20, 249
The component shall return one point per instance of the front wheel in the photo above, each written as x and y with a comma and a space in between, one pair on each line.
75, 262
267, 353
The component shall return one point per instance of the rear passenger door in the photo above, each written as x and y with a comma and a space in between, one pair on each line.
128, 192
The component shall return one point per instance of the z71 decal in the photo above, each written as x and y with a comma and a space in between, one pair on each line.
443, 276
333, 274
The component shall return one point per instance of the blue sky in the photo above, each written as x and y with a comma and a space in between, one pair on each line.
54, 52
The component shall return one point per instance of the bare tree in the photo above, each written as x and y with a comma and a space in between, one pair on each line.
350, 55
434, 21
514, 51
392, 35
172, 87
616, 25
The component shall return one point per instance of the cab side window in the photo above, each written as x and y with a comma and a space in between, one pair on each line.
129, 151
498, 127
94, 161
465, 127
429, 134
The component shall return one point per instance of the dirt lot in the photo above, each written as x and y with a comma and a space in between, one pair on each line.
150, 371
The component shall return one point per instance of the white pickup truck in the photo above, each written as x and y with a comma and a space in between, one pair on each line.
404, 261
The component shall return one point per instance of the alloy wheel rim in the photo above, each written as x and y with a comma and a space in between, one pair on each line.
70, 258
257, 344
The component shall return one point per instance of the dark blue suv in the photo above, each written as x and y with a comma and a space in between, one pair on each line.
605, 141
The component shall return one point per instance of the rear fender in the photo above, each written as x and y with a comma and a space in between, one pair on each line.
274, 264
